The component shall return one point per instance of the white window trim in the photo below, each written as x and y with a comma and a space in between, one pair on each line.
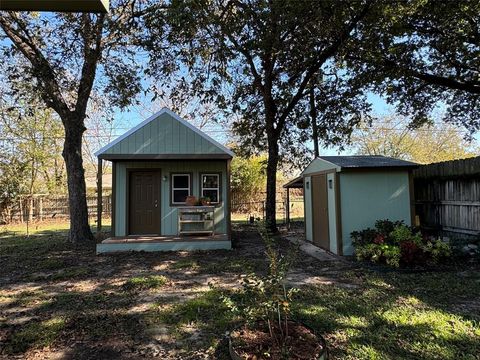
217, 188
174, 188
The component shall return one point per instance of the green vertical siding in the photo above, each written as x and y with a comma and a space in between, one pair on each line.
369, 196
168, 213
164, 135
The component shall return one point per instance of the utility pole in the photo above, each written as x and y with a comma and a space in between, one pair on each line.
313, 115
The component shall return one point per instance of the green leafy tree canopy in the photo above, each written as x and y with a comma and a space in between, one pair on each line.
392, 136
257, 60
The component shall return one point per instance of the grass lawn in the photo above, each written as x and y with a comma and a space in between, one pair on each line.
62, 301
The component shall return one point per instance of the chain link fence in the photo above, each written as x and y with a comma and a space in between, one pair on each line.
253, 211
40, 208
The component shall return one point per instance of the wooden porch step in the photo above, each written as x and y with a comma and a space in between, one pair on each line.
189, 243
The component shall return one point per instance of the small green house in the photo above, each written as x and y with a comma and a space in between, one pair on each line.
157, 169
347, 193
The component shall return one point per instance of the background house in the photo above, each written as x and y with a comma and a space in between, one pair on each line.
155, 166
348, 193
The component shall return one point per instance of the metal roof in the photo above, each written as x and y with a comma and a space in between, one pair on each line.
367, 161
100, 6
296, 183
101, 153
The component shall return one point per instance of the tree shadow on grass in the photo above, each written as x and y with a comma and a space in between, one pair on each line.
389, 316
446, 291
54, 313
380, 322
100, 320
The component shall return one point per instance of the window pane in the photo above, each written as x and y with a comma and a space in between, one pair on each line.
179, 196
180, 181
211, 194
210, 181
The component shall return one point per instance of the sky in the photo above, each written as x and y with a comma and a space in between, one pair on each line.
135, 114
132, 116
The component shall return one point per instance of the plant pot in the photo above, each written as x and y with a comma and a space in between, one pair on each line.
190, 200
318, 343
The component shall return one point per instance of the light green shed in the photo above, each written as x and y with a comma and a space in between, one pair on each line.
157, 168
347, 193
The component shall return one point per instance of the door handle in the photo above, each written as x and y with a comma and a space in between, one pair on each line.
156, 203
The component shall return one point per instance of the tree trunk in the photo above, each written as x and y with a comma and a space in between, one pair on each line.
20, 206
272, 164
72, 154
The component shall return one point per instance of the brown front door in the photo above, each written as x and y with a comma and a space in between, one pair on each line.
144, 203
320, 211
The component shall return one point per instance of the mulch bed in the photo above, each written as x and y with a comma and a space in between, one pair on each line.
255, 343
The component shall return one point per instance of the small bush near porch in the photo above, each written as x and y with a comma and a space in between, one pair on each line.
57, 300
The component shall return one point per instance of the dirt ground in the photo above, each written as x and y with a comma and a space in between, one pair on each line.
87, 295
62, 302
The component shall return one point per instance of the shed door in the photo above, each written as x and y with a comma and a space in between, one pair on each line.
144, 203
320, 211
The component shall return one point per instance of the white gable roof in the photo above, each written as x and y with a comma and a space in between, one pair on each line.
319, 164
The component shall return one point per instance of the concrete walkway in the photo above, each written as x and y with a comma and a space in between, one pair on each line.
320, 267
313, 251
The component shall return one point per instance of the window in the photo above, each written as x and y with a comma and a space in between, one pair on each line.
210, 187
180, 188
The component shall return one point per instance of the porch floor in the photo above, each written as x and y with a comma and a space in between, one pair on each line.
164, 243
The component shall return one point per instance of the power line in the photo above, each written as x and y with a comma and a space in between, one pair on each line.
424, 130
365, 128
112, 137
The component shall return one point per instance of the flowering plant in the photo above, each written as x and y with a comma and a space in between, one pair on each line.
395, 244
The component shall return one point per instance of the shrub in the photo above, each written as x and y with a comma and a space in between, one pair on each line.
385, 227
402, 233
437, 249
395, 244
370, 252
266, 298
411, 252
392, 255
363, 237
379, 253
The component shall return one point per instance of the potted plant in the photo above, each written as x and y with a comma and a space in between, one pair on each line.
264, 305
205, 201
190, 200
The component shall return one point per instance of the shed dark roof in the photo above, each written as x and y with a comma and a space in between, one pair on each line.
296, 183
367, 161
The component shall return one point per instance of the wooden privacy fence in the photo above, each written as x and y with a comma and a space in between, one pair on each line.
447, 196
39, 208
